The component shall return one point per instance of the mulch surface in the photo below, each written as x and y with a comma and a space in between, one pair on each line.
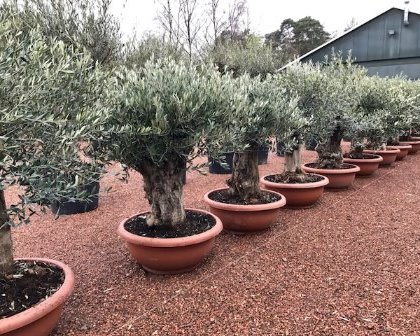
348, 266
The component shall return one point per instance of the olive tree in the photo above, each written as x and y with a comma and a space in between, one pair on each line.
87, 24
42, 82
260, 109
336, 96
159, 118
385, 111
304, 91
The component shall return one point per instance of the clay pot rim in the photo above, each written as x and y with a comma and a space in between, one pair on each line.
382, 151
170, 242
45, 307
242, 207
410, 142
377, 159
309, 185
400, 147
353, 169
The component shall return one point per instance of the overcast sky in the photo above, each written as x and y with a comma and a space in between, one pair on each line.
266, 15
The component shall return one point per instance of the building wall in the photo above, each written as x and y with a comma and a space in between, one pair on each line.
390, 68
385, 45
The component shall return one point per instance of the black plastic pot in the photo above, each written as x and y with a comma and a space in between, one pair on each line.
280, 148
215, 167
74, 207
263, 155
311, 144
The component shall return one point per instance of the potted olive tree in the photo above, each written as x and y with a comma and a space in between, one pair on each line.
368, 125
400, 117
301, 189
84, 24
387, 111
160, 115
257, 110
338, 95
37, 91
408, 136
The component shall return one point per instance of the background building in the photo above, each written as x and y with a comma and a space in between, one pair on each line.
387, 45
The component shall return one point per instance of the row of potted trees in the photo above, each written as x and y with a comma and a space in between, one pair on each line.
61, 109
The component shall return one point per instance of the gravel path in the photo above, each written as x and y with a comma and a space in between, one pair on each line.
348, 266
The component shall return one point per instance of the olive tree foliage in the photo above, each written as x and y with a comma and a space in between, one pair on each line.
159, 117
151, 48
336, 94
260, 108
84, 24
45, 89
248, 55
306, 86
386, 111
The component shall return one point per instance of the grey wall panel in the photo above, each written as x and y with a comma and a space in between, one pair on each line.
384, 45
384, 37
412, 71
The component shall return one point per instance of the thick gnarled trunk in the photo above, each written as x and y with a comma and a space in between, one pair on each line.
245, 179
6, 251
293, 161
164, 191
330, 155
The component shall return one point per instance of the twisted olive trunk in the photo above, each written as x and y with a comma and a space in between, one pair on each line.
164, 191
330, 155
6, 252
356, 151
245, 179
293, 161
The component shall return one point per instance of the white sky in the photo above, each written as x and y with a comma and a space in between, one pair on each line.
266, 15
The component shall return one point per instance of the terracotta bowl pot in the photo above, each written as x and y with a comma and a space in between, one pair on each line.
367, 166
42, 318
389, 156
245, 218
170, 255
415, 138
415, 146
338, 178
298, 194
403, 151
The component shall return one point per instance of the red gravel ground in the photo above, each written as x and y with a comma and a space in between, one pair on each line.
348, 266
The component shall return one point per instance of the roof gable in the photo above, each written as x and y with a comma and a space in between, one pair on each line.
392, 12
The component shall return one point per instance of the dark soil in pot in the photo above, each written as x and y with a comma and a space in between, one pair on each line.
293, 178
195, 223
315, 165
222, 196
66, 207
31, 283
360, 157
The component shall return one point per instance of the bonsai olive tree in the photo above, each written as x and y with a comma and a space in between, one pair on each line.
41, 83
304, 92
260, 109
335, 98
160, 115
385, 111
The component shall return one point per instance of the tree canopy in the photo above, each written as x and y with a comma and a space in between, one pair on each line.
296, 38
